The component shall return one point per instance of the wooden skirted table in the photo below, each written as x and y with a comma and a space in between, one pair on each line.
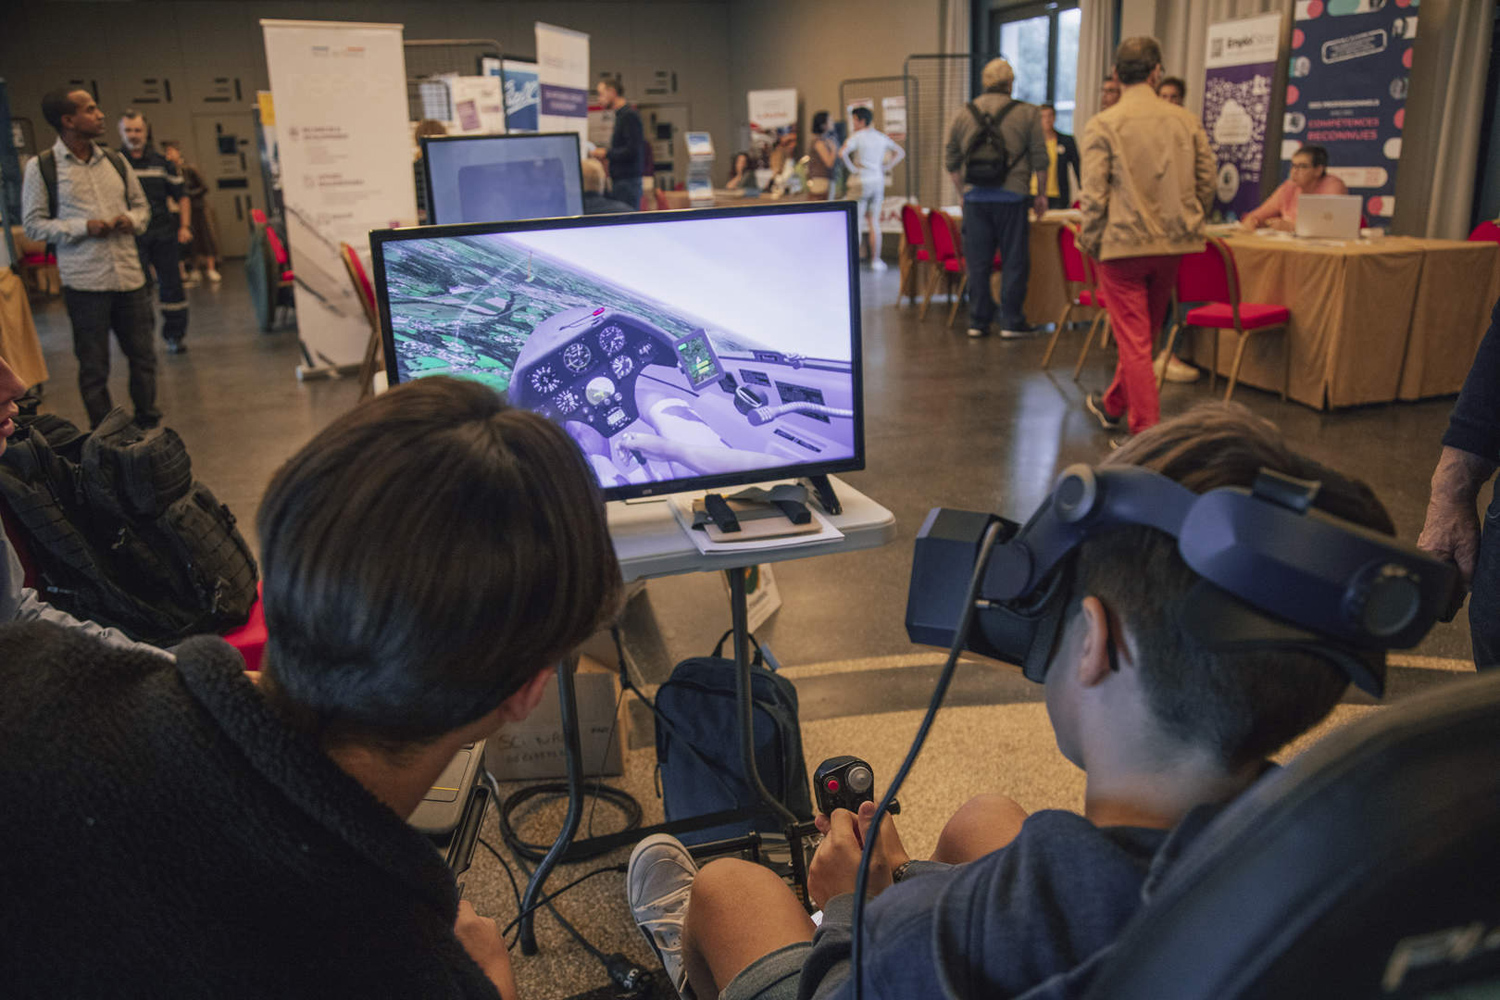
1372, 321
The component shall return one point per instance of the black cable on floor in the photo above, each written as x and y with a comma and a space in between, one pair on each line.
547, 902
620, 868
514, 888
620, 799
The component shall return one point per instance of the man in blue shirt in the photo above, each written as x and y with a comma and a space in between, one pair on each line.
995, 145
1166, 729
170, 226
626, 153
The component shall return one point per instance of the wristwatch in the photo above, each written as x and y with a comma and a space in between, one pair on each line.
900, 872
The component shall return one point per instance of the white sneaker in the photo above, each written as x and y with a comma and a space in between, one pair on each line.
878, 265
1177, 371
975, 332
214, 275
1181, 372
658, 882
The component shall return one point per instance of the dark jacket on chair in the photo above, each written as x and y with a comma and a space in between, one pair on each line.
165, 834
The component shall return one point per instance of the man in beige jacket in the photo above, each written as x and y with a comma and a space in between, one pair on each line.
1148, 182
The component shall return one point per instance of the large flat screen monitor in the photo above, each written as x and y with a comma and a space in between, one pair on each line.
498, 178
681, 350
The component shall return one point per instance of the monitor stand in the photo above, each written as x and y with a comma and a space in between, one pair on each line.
822, 490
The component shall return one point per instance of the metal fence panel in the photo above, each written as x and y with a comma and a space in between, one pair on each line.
941, 85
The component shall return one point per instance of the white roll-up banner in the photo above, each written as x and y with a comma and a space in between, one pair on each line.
341, 122
562, 57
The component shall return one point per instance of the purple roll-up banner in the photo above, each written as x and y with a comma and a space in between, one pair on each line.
1239, 73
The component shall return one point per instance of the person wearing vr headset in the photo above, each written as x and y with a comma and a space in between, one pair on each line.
1168, 726
428, 558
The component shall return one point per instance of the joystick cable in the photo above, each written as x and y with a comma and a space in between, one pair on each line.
861, 881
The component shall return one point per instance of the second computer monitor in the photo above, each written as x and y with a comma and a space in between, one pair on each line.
502, 178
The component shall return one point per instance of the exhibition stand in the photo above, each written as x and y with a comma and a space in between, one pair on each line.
1373, 321
649, 542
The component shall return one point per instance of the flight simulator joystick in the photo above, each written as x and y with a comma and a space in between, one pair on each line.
845, 782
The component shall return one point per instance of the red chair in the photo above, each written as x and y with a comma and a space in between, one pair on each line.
363, 290
915, 250
1083, 292
250, 638
1485, 232
1211, 277
287, 281
948, 260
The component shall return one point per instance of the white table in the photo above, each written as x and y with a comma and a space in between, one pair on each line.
649, 542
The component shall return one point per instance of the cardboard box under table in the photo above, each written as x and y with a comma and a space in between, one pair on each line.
535, 748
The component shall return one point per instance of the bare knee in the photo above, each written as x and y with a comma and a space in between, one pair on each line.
724, 885
737, 913
981, 825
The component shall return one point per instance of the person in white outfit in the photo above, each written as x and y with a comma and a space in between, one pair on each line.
868, 154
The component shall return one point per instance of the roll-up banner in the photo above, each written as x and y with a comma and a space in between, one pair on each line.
1346, 91
1239, 72
522, 95
342, 174
562, 57
772, 113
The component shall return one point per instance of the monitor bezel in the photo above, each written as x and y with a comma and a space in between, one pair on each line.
430, 140
854, 463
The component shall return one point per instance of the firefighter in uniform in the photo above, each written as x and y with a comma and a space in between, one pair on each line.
170, 225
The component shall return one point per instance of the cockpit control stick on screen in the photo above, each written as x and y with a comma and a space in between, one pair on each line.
680, 350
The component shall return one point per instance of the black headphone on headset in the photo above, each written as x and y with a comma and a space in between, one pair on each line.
1274, 571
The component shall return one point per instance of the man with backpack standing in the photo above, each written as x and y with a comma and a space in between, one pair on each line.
995, 146
87, 202
169, 229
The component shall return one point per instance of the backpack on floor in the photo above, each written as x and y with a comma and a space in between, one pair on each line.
698, 744
121, 533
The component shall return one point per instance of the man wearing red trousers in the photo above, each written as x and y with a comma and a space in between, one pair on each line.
1147, 185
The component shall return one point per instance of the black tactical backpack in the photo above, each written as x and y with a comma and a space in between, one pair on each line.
121, 533
986, 161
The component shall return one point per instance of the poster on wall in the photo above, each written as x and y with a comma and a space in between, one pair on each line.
562, 57
522, 94
1346, 91
342, 175
478, 104
1238, 75
772, 113
893, 118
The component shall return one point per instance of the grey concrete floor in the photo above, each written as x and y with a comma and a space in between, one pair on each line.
950, 421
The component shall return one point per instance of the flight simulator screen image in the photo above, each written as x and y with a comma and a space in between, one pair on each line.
669, 350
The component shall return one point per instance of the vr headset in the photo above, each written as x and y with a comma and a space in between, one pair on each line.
1275, 572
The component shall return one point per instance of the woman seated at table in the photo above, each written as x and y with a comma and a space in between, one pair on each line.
743, 175
1309, 176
